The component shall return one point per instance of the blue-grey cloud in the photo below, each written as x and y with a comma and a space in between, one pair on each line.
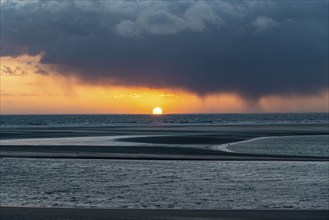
253, 48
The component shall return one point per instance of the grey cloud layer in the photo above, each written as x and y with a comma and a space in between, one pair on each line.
161, 22
253, 48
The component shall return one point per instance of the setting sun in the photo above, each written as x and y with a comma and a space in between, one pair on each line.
157, 111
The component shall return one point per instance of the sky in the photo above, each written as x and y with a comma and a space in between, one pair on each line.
126, 57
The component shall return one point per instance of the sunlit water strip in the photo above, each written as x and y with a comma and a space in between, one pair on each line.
108, 141
94, 141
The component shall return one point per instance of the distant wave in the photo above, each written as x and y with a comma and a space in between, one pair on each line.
149, 120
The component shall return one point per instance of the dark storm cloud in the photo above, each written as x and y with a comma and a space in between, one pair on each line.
8, 71
253, 48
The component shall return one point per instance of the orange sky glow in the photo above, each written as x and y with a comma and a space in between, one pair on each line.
29, 87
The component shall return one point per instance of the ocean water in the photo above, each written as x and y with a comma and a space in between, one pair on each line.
138, 120
164, 184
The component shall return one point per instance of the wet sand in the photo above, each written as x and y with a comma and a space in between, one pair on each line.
195, 142
19, 213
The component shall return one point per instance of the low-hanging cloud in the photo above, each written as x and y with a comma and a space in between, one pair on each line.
262, 23
252, 48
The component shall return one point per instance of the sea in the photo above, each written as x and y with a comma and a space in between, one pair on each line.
149, 120
171, 184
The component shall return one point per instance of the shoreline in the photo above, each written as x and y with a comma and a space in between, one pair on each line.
21, 213
146, 143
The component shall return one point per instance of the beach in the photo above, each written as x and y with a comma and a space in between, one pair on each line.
11, 213
201, 171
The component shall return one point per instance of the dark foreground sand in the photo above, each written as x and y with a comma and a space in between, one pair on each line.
143, 156
12, 213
